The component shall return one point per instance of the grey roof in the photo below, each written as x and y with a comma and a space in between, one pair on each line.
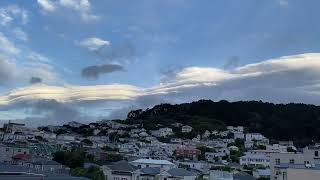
6, 167
43, 161
298, 166
151, 170
243, 176
234, 165
123, 166
180, 172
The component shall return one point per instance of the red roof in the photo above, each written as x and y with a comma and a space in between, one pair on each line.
21, 156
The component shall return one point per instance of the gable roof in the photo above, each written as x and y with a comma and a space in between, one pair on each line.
123, 166
243, 176
153, 161
151, 170
180, 172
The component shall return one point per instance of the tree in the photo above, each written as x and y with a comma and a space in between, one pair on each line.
87, 142
92, 172
71, 159
203, 150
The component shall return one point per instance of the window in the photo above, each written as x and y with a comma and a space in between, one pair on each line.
284, 175
123, 178
19, 150
291, 161
277, 161
7, 149
116, 178
139, 166
316, 153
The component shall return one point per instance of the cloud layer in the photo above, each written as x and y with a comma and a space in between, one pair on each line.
286, 79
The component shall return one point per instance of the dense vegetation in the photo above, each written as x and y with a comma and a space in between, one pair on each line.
298, 122
75, 159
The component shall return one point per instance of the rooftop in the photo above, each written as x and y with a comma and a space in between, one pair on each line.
153, 161
299, 166
180, 172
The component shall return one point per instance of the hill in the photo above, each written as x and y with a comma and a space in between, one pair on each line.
298, 122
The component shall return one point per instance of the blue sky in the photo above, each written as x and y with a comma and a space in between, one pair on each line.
150, 45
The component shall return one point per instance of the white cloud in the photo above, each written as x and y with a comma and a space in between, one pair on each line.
10, 13
82, 7
7, 47
93, 43
46, 5
68, 94
20, 34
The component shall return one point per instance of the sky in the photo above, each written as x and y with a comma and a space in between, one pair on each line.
84, 60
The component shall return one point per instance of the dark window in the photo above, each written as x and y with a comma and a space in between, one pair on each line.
316, 153
291, 161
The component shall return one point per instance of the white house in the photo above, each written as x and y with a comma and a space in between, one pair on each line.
162, 132
49, 136
163, 164
198, 165
66, 137
255, 160
238, 135
186, 129
235, 129
121, 170
206, 134
255, 137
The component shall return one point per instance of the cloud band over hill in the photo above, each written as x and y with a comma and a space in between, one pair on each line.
286, 79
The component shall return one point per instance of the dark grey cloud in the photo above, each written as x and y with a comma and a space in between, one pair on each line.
35, 80
95, 71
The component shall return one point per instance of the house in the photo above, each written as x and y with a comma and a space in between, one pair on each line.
152, 173
186, 129
176, 140
235, 129
255, 160
243, 176
262, 173
223, 133
8, 150
49, 136
44, 165
206, 134
121, 170
220, 175
221, 152
163, 164
198, 165
66, 137
181, 174
186, 152
255, 137
277, 147
289, 171
162, 132
309, 157
238, 135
